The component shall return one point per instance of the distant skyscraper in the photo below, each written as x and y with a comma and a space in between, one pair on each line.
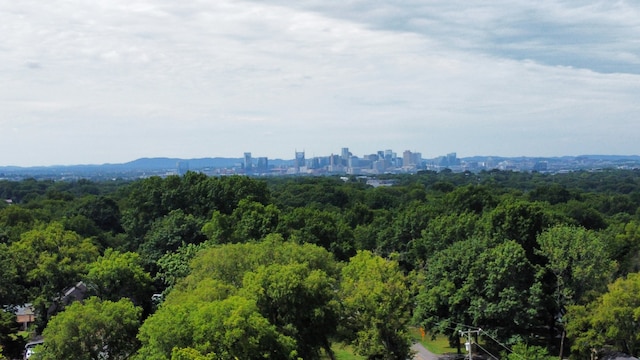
263, 164
344, 156
300, 160
183, 167
247, 161
407, 158
452, 159
388, 155
345, 153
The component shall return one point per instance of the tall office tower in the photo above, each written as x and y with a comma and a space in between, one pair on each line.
263, 164
335, 162
300, 160
345, 155
183, 167
315, 163
380, 155
452, 159
407, 158
247, 161
417, 158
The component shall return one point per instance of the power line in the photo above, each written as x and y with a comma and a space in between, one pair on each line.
499, 343
487, 351
478, 331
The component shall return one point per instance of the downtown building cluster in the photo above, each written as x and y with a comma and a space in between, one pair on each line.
383, 161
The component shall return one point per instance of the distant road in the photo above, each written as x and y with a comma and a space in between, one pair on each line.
422, 353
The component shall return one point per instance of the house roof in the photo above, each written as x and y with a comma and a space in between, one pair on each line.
26, 309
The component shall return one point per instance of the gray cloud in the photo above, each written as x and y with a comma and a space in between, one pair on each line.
601, 36
125, 79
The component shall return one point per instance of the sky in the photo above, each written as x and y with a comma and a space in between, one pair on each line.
110, 81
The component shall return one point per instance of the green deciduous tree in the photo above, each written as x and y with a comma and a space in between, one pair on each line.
10, 290
299, 301
50, 259
527, 352
93, 330
521, 221
473, 283
470, 198
376, 307
253, 220
441, 232
175, 265
579, 263
11, 344
14, 220
624, 245
118, 275
320, 227
103, 211
611, 321
248, 300
508, 290
167, 234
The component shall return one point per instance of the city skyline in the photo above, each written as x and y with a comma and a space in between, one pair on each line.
95, 83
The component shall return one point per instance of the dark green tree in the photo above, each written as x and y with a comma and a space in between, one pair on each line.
11, 344
167, 234
472, 283
580, 265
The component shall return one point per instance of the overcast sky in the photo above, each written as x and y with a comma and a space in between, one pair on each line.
109, 81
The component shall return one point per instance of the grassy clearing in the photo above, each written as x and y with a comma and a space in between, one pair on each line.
438, 345
343, 352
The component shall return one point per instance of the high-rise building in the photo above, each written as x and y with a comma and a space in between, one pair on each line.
183, 167
407, 158
263, 164
300, 161
247, 161
452, 159
344, 156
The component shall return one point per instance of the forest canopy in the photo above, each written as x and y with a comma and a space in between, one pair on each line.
288, 267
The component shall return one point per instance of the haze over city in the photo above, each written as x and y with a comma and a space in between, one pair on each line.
108, 82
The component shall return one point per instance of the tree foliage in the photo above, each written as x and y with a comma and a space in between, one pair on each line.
118, 275
376, 300
611, 321
246, 301
465, 235
50, 259
93, 330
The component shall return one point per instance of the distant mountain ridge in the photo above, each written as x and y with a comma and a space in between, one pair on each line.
142, 164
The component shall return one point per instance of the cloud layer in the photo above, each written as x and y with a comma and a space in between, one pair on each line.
111, 81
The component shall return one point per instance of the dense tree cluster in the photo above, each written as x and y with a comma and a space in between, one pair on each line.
287, 267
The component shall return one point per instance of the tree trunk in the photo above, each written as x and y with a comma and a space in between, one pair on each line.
564, 333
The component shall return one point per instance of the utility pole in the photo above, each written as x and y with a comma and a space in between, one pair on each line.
468, 343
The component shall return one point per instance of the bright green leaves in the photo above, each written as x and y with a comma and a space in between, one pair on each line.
376, 303
613, 319
579, 262
118, 275
92, 330
50, 258
248, 301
